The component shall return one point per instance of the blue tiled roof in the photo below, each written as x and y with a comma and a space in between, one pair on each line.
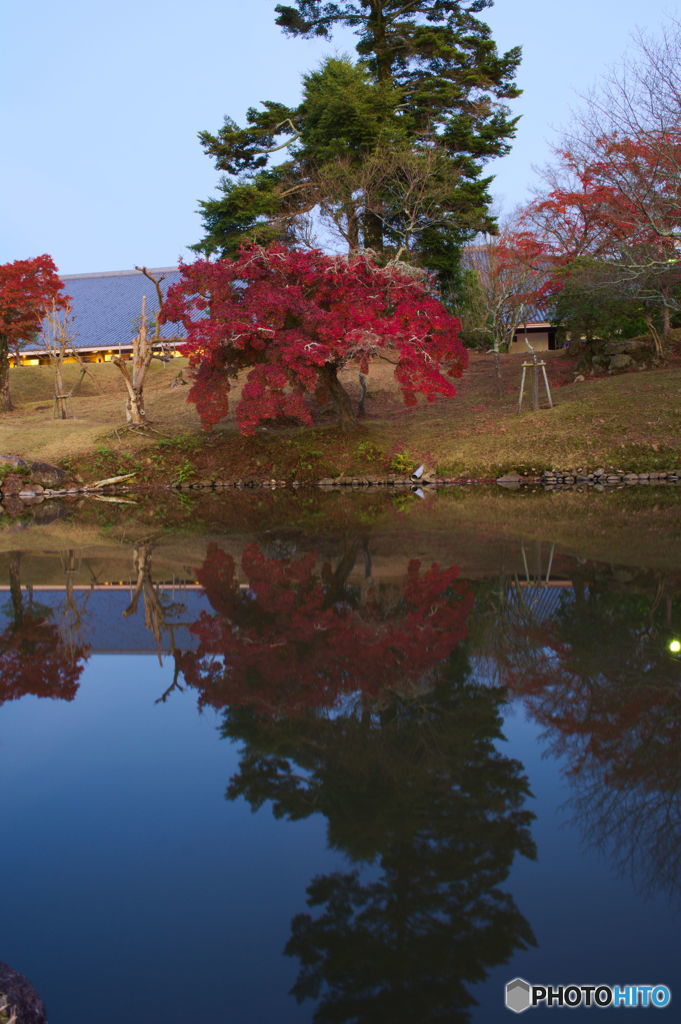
106, 629
107, 307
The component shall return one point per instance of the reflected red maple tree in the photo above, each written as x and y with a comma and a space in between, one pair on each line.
602, 681
296, 638
33, 656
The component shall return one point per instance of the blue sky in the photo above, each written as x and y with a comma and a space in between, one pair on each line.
101, 104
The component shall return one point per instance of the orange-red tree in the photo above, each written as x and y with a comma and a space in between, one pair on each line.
618, 201
28, 290
294, 319
510, 280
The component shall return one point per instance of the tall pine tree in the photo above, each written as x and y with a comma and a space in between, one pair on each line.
391, 148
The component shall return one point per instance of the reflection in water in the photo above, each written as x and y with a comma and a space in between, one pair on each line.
598, 674
160, 613
377, 703
34, 655
299, 636
19, 1001
416, 795
357, 704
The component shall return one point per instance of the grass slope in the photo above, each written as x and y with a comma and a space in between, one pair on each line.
629, 422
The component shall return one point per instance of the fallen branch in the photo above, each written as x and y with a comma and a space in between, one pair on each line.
109, 480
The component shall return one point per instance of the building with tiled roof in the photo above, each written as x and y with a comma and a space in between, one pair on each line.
106, 623
106, 310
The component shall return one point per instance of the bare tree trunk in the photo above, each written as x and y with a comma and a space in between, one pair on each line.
497, 341
15, 587
497, 373
339, 579
154, 616
666, 316
5, 397
373, 232
353, 229
56, 339
59, 396
142, 346
361, 406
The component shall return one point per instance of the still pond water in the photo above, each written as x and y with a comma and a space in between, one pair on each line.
367, 772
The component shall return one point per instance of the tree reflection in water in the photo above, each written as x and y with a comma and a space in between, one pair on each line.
363, 710
599, 676
34, 657
300, 636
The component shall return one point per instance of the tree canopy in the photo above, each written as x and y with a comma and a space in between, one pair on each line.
297, 639
390, 148
600, 679
613, 193
293, 319
28, 289
33, 655
432, 816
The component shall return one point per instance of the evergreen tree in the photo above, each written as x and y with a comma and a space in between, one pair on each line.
391, 148
432, 817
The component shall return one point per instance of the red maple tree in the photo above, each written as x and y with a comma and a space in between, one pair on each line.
28, 289
295, 319
293, 640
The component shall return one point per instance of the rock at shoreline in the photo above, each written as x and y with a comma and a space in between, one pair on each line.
510, 480
21, 997
12, 485
46, 475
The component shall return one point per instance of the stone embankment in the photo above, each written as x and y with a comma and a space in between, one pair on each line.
599, 478
24, 483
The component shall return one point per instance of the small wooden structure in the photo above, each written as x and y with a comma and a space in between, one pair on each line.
536, 365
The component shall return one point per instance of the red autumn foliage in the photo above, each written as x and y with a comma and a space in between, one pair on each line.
293, 641
294, 319
27, 290
34, 660
620, 201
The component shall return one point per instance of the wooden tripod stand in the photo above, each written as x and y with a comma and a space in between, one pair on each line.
536, 365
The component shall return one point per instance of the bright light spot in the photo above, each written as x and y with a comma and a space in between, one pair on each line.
675, 646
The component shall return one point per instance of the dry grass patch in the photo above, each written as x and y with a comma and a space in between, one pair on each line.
630, 422
97, 409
